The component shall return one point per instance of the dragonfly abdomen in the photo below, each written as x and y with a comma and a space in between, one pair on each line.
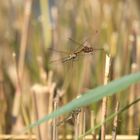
70, 57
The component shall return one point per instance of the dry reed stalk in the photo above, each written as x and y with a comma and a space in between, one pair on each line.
51, 97
115, 123
17, 121
44, 105
80, 123
93, 120
20, 67
41, 96
51, 102
104, 101
138, 51
76, 126
17, 98
3, 106
138, 68
24, 36
44, 6
84, 122
51, 86
131, 97
54, 123
42, 72
43, 78
133, 90
36, 114
59, 95
82, 127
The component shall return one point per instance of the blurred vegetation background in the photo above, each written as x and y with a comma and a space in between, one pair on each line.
29, 80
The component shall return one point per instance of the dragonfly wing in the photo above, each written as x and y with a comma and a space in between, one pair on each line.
98, 49
59, 60
65, 59
78, 43
57, 51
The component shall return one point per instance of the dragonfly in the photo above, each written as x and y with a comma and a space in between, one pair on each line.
71, 117
86, 48
83, 48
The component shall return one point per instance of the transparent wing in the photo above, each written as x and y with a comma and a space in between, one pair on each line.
57, 51
78, 43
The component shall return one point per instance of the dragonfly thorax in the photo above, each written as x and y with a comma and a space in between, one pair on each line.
87, 49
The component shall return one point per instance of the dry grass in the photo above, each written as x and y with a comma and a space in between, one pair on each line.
29, 27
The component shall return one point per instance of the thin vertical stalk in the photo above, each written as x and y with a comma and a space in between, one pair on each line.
20, 66
132, 95
54, 131
36, 113
82, 123
115, 123
51, 86
104, 101
44, 6
93, 119
3, 107
42, 94
24, 36
17, 98
137, 109
138, 51
76, 126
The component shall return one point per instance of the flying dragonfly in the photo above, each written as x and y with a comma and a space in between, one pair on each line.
86, 49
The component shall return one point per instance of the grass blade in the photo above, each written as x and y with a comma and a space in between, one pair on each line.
91, 96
